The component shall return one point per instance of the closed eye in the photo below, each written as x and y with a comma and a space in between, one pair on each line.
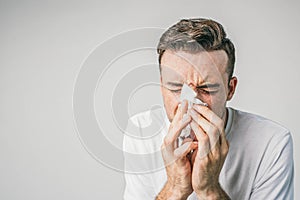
175, 91
208, 89
211, 92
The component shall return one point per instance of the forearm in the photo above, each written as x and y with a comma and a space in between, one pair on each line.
169, 193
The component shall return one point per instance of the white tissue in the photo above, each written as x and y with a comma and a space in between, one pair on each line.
188, 94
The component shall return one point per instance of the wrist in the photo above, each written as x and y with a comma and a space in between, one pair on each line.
212, 193
177, 193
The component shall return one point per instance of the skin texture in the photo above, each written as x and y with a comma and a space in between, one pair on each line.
198, 170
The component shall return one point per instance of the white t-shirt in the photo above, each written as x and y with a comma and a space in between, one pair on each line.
259, 164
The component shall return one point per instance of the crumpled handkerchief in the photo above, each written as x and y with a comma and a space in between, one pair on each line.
188, 94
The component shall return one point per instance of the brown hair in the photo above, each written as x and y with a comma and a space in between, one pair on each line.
196, 35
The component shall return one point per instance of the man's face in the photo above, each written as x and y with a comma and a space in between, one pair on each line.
205, 72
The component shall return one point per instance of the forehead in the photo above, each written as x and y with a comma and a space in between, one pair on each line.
209, 66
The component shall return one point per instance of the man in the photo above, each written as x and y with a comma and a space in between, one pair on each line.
229, 154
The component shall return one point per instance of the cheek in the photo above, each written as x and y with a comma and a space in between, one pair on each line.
170, 102
218, 103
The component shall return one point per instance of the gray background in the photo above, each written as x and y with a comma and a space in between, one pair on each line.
44, 43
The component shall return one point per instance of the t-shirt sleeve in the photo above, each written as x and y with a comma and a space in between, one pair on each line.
138, 183
275, 176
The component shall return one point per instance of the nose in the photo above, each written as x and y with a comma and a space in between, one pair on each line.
191, 85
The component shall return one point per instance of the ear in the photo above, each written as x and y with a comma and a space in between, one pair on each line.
231, 88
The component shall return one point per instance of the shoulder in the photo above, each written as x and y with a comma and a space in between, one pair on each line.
257, 125
145, 131
260, 136
142, 142
147, 118
268, 148
263, 144
142, 119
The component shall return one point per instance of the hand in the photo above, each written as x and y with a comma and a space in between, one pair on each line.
212, 150
178, 166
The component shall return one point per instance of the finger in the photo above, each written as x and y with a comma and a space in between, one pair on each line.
168, 154
209, 128
170, 140
181, 110
176, 122
184, 107
217, 121
182, 151
210, 116
203, 140
187, 140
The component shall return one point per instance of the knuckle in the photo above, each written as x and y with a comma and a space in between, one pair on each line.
167, 141
211, 117
225, 150
178, 127
171, 127
214, 129
204, 161
224, 153
217, 155
175, 127
199, 119
176, 154
205, 139
205, 108
163, 147
220, 124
